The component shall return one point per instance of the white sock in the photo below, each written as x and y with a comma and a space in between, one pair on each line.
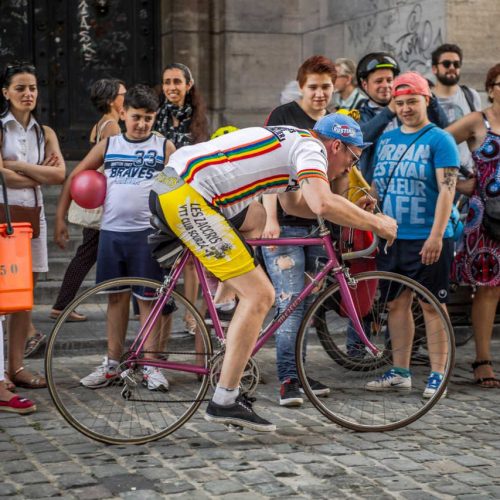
225, 397
112, 363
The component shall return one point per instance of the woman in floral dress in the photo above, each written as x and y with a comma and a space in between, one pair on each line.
478, 259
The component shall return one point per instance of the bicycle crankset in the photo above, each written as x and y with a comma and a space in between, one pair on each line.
249, 380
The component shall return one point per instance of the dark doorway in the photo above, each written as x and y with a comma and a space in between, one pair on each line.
75, 43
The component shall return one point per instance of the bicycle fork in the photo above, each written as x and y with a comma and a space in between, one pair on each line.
346, 281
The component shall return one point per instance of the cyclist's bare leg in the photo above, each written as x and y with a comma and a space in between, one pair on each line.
118, 313
401, 329
437, 343
256, 297
252, 227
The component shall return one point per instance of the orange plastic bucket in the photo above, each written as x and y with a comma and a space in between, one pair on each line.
16, 275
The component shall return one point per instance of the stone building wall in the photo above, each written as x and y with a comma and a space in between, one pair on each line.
243, 53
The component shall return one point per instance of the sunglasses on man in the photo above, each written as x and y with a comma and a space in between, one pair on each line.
447, 64
355, 158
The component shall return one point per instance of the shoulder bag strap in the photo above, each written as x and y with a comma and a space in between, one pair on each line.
391, 175
468, 97
100, 129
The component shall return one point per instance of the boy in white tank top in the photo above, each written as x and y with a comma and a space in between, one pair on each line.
131, 162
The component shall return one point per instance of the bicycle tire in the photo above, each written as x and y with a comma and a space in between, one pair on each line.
352, 405
116, 413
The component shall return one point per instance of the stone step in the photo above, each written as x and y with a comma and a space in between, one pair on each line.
57, 268
68, 252
46, 291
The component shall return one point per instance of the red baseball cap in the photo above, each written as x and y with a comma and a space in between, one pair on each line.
414, 83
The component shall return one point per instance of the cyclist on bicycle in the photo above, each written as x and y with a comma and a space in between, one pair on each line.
202, 195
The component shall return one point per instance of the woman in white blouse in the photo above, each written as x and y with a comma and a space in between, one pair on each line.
30, 157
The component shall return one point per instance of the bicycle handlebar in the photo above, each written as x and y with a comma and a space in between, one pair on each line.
362, 253
358, 254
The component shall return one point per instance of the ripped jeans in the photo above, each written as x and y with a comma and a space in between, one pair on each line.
287, 267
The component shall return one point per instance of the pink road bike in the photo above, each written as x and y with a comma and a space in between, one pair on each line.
345, 332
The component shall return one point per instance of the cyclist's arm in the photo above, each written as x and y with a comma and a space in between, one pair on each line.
315, 198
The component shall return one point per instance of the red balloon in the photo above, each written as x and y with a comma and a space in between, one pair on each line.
88, 189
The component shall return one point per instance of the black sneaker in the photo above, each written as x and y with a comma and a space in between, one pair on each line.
240, 413
290, 394
319, 389
225, 317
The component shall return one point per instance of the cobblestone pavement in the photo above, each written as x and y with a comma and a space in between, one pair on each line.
453, 452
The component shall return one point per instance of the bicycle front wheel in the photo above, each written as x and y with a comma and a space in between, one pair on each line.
363, 398
134, 403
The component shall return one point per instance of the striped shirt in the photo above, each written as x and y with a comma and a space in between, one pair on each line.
130, 168
231, 170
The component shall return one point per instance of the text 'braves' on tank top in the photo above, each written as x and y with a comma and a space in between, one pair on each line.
130, 168
232, 170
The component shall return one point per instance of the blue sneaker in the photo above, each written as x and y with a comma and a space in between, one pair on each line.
390, 381
433, 384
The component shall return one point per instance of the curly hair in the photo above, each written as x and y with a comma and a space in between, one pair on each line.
199, 124
446, 47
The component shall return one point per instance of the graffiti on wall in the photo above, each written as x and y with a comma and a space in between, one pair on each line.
409, 32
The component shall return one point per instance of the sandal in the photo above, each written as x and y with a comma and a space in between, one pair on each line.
33, 344
74, 316
9, 385
485, 382
19, 405
36, 382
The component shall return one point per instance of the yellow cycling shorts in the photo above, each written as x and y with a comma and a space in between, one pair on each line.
205, 231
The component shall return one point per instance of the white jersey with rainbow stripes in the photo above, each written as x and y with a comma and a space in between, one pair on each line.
232, 170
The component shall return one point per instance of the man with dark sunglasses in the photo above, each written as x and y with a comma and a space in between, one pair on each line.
456, 100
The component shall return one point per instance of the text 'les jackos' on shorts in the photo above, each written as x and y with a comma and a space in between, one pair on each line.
203, 229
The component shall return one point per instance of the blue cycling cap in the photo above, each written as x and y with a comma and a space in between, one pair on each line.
341, 127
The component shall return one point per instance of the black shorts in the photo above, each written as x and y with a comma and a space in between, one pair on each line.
403, 258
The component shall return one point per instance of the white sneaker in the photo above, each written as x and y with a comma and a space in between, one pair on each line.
390, 380
102, 376
154, 379
433, 384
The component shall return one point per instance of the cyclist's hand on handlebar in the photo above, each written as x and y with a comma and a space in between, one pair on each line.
367, 203
387, 228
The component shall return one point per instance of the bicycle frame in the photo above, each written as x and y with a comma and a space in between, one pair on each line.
332, 265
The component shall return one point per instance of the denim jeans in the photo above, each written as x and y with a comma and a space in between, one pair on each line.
287, 267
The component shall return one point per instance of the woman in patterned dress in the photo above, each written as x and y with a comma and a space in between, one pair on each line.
478, 259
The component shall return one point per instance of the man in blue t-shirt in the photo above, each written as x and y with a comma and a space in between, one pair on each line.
415, 173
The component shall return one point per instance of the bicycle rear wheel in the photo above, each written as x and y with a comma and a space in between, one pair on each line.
124, 410
347, 372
